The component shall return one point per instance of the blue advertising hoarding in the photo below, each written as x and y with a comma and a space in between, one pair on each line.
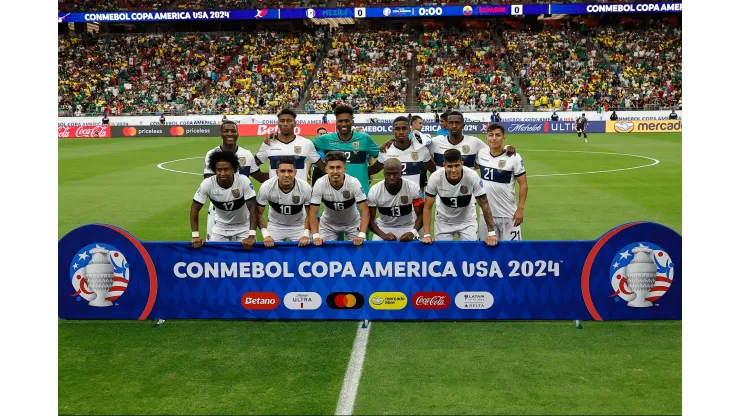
370, 12
633, 272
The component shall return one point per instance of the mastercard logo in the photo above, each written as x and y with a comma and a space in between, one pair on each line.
177, 131
345, 300
129, 131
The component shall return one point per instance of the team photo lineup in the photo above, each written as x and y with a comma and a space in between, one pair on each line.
395, 209
361, 236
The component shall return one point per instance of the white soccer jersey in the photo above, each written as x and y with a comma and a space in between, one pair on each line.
411, 160
301, 149
246, 161
499, 174
339, 203
287, 209
455, 203
469, 147
396, 211
232, 215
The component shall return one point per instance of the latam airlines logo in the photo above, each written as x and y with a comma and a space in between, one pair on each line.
474, 300
100, 274
641, 273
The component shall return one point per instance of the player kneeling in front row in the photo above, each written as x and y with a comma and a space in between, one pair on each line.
233, 196
342, 195
397, 199
289, 198
500, 172
456, 185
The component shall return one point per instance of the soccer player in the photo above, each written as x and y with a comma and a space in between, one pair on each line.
105, 120
397, 199
341, 194
442, 130
581, 124
499, 173
401, 148
233, 196
287, 143
247, 165
456, 185
289, 198
469, 146
161, 120
357, 146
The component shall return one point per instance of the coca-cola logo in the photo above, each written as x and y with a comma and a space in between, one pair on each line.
83, 132
431, 300
263, 129
524, 127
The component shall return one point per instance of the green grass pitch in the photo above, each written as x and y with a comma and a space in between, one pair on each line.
577, 190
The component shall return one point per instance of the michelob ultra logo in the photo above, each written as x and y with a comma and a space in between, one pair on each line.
388, 300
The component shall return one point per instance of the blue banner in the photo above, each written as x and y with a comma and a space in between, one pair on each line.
512, 127
370, 12
632, 272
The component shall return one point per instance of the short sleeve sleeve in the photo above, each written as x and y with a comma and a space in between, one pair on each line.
201, 195
316, 192
358, 191
431, 189
478, 189
518, 167
372, 197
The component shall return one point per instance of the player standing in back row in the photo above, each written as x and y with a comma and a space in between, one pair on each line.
287, 143
499, 173
581, 124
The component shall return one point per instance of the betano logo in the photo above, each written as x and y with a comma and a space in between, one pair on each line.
345, 300
388, 300
261, 301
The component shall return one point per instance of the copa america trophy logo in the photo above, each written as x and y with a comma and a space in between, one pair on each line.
100, 274
641, 274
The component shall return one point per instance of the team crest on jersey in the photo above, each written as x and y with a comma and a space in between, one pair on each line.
236, 193
464, 190
501, 164
414, 155
356, 145
297, 150
243, 161
296, 199
466, 149
404, 199
345, 194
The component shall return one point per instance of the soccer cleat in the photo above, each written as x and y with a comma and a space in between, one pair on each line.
586, 140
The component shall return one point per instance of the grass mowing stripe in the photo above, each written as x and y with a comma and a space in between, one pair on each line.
347, 396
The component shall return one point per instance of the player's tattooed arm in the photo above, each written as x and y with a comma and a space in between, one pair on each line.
248, 242
269, 242
491, 240
195, 208
523, 191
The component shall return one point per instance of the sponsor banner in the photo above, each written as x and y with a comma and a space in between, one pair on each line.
371, 118
644, 126
85, 132
305, 130
368, 12
166, 131
631, 272
511, 127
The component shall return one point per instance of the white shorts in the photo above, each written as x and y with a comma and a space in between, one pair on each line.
446, 232
329, 231
238, 237
505, 229
398, 232
282, 233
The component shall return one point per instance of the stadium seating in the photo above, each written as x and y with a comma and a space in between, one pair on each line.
139, 73
463, 70
111, 5
269, 73
365, 69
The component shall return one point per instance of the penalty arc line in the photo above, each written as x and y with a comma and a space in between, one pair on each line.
348, 394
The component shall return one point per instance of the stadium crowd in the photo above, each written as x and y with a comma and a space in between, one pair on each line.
268, 74
463, 70
155, 73
364, 69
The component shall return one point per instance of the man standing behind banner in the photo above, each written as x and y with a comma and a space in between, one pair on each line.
396, 199
342, 195
412, 154
233, 196
287, 143
289, 198
247, 165
456, 185
499, 172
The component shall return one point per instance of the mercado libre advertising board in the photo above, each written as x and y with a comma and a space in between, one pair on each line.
633, 272
644, 126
